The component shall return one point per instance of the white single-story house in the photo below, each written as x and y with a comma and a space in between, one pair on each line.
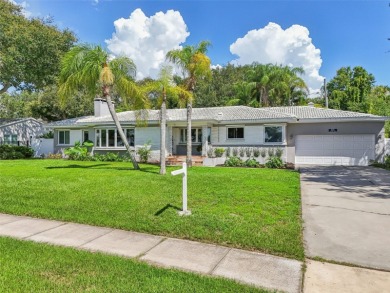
305, 134
20, 131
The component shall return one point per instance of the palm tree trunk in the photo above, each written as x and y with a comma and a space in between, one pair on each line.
189, 138
5, 88
120, 131
163, 118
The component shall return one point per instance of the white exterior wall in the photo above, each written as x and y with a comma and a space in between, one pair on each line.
387, 146
253, 135
148, 134
75, 136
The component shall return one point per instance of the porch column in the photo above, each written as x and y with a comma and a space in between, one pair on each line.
169, 140
204, 141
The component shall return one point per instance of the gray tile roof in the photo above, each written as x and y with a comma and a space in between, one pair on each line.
68, 122
224, 114
5, 121
232, 113
306, 112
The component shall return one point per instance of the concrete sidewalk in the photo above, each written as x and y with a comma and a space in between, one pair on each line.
256, 269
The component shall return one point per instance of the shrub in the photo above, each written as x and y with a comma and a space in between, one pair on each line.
387, 162
252, 163
256, 152
274, 162
228, 152
279, 152
13, 152
233, 162
219, 152
79, 152
49, 134
54, 156
144, 152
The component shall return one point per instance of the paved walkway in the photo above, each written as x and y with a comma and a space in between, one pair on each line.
256, 269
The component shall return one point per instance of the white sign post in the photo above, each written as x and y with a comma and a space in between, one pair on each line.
183, 171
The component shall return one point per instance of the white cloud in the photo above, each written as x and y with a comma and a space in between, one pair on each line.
24, 6
146, 40
272, 44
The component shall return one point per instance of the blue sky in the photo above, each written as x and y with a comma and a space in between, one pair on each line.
347, 33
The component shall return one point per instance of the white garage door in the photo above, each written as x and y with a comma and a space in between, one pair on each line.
339, 149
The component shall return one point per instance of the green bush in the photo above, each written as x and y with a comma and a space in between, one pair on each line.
387, 162
49, 134
79, 152
279, 152
13, 152
234, 162
252, 163
274, 162
144, 153
219, 152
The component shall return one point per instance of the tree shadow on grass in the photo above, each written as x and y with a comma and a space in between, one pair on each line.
74, 166
168, 206
99, 166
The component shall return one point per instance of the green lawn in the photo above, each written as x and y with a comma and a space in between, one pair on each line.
31, 267
255, 209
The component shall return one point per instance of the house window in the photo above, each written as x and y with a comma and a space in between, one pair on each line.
196, 135
85, 135
235, 132
97, 138
11, 139
273, 134
111, 138
64, 137
130, 136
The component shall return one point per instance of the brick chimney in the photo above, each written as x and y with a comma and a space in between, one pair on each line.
100, 107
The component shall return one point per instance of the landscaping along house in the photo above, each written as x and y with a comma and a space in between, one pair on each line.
300, 134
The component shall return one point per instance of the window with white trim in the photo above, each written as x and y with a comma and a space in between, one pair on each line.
273, 134
235, 132
110, 138
63, 137
196, 135
11, 139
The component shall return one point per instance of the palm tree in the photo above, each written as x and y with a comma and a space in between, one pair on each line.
89, 68
162, 88
275, 85
194, 65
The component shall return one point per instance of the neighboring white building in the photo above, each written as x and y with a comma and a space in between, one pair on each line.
307, 135
20, 131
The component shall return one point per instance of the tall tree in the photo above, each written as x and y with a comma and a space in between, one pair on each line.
30, 49
195, 65
269, 85
221, 87
349, 89
89, 68
162, 90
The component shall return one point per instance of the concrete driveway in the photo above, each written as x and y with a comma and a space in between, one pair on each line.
346, 213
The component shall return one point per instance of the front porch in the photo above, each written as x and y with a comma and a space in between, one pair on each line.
179, 160
177, 140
